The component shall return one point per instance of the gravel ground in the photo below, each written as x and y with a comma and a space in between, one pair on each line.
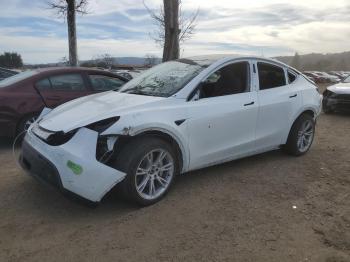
270, 207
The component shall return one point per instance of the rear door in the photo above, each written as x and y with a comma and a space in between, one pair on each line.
58, 89
279, 99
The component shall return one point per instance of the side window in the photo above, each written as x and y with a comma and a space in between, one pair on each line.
291, 77
43, 84
231, 79
104, 83
270, 76
67, 82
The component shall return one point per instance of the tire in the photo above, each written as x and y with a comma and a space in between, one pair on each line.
303, 127
133, 156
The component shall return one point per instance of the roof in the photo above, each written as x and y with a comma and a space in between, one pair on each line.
206, 60
66, 68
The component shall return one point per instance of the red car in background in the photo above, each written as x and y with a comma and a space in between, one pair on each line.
23, 96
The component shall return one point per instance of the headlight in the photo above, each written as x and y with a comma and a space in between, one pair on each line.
102, 125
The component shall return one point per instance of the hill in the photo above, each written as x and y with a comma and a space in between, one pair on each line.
319, 62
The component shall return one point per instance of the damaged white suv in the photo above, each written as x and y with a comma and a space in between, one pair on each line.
176, 117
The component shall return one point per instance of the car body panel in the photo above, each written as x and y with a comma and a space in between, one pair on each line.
107, 104
228, 131
341, 88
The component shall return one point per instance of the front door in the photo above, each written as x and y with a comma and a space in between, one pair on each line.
222, 116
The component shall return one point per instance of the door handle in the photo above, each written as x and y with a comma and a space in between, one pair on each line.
293, 96
249, 104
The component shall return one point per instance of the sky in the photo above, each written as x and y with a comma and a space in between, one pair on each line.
124, 28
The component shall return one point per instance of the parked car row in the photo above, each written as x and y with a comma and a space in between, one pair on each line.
323, 77
24, 95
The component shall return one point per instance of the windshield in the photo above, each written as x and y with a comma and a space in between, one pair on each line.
16, 78
346, 79
165, 79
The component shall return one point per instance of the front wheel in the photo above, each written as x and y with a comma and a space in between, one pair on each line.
301, 135
151, 166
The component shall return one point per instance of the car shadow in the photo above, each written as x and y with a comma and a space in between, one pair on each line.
6, 143
52, 202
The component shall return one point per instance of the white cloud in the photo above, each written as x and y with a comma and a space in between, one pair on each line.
50, 49
273, 27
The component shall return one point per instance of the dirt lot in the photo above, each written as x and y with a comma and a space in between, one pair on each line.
239, 211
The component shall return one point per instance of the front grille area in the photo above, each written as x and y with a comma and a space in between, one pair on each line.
343, 97
39, 166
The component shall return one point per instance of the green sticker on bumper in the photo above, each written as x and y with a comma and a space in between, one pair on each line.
77, 169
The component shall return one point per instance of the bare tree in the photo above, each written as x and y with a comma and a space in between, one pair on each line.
151, 60
105, 61
64, 61
68, 9
173, 27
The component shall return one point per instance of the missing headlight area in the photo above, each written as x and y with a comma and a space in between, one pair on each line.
53, 138
105, 148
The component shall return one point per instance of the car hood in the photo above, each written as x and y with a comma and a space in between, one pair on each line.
86, 110
341, 88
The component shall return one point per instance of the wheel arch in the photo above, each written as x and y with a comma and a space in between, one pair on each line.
308, 111
165, 135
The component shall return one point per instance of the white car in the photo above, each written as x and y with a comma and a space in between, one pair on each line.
337, 97
176, 117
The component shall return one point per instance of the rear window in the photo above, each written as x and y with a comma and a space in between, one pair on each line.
65, 82
105, 83
43, 84
16, 78
270, 76
68, 82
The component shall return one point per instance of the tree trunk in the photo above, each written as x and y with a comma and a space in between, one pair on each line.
171, 20
72, 35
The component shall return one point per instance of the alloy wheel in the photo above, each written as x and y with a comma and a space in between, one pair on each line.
305, 136
154, 174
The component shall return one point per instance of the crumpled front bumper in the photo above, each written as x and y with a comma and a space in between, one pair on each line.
337, 103
71, 166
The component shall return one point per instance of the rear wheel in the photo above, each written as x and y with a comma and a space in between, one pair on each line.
301, 135
151, 166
